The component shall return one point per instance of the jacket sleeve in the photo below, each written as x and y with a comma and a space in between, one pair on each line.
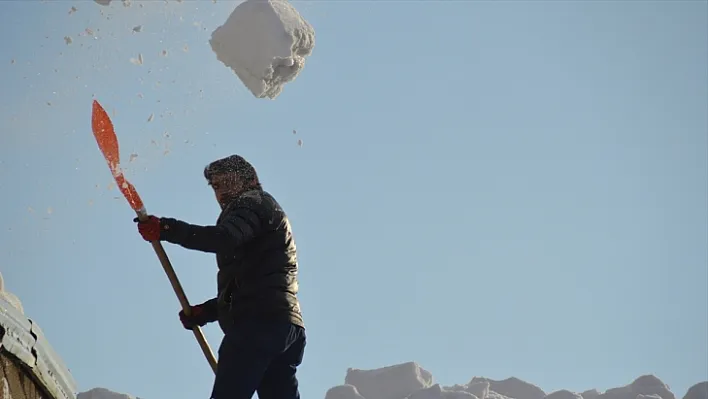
211, 312
235, 229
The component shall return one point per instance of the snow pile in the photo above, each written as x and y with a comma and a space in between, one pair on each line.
698, 391
410, 381
102, 393
265, 43
9, 297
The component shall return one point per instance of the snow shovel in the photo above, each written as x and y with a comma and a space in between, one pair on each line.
108, 143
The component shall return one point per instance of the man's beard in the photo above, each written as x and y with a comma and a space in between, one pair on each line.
228, 199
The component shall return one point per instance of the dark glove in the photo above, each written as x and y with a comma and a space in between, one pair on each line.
150, 228
197, 317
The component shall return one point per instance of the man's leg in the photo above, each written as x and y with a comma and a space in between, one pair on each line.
280, 379
240, 368
244, 357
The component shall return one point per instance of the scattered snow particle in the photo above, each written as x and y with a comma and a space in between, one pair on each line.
140, 95
111, 186
68, 40
137, 61
137, 29
151, 117
164, 53
72, 10
294, 131
90, 202
29, 209
299, 143
49, 103
185, 48
133, 156
89, 31
103, 2
127, 3
50, 210
12, 61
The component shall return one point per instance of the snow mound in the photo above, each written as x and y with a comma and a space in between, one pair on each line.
648, 386
393, 382
343, 392
564, 394
9, 297
265, 43
513, 388
410, 381
698, 391
102, 393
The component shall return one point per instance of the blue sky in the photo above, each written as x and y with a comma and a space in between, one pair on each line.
487, 188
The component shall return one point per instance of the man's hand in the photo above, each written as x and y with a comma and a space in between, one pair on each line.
150, 228
197, 317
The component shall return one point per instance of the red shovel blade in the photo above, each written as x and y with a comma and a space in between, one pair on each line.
108, 143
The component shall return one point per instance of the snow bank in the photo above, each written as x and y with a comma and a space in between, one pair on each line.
698, 391
410, 381
9, 297
102, 393
265, 43
391, 382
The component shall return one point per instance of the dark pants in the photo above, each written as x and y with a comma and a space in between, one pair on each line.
259, 357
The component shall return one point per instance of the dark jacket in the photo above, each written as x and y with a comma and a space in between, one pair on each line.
257, 260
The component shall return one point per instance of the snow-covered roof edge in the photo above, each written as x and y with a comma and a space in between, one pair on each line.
23, 338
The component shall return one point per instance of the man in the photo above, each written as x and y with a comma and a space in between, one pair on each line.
256, 304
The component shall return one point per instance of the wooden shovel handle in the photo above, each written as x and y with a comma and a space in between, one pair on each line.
177, 287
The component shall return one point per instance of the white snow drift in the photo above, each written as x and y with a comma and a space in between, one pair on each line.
410, 381
265, 43
102, 393
9, 297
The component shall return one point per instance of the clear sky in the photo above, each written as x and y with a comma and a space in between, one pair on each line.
488, 188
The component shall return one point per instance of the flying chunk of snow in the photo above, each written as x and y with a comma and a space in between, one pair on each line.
72, 10
164, 53
299, 143
137, 61
265, 43
68, 40
151, 117
137, 29
103, 2
132, 157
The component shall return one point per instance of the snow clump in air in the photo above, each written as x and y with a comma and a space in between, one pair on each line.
265, 43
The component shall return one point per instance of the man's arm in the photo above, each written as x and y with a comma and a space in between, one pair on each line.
211, 312
235, 229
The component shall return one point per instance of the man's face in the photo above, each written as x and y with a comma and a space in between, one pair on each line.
226, 187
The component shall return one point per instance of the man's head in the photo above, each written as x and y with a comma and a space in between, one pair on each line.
229, 177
